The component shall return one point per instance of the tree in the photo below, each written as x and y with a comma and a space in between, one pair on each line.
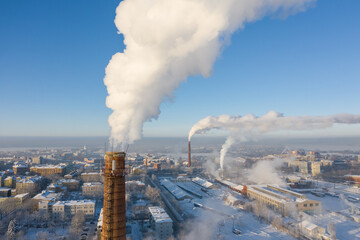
152, 194
12, 229
77, 224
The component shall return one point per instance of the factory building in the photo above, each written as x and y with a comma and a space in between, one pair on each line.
282, 200
46, 170
161, 223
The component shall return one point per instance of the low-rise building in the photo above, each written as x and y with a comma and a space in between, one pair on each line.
91, 177
161, 223
68, 209
47, 196
311, 230
70, 184
93, 189
5, 192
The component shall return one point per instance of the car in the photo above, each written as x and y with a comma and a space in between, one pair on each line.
84, 234
85, 229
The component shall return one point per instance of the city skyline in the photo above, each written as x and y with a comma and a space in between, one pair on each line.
54, 57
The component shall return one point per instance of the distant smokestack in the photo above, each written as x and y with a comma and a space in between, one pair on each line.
189, 154
114, 215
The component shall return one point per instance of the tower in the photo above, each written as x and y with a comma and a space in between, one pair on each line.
189, 154
114, 212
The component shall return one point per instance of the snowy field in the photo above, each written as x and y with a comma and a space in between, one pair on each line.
216, 221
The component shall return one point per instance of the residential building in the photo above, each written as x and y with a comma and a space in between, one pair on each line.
68, 209
48, 169
93, 189
91, 177
161, 223
30, 185
20, 168
10, 182
70, 184
315, 168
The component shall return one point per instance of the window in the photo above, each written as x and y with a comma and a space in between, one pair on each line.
316, 204
305, 205
311, 204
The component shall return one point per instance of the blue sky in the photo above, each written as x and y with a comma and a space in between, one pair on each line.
53, 55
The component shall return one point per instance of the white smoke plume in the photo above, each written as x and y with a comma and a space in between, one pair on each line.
167, 41
224, 149
265, 172
250, 126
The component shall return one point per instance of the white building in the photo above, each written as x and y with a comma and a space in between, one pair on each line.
161, 222
67, 209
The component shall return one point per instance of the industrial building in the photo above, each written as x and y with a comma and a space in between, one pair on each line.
176, 191
203, 183
161, 223
282, 200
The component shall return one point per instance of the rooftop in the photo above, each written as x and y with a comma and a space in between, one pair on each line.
159, 215
74, 202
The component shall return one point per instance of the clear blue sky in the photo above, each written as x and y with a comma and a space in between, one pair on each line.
53, 55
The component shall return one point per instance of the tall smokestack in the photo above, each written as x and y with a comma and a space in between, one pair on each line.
114, 212
189, 154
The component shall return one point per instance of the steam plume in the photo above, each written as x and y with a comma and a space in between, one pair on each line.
250, 126
167, 41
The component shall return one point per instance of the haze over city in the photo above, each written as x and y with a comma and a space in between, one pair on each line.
181, 119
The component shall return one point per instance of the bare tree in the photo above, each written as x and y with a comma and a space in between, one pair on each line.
152, 193
77, 223
12, 229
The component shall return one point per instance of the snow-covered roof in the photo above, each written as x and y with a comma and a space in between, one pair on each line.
47, 196
202, 182
308, 225
89, 184
159, 215
74, 203
174, 189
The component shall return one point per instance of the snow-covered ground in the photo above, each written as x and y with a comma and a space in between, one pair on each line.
215, 220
